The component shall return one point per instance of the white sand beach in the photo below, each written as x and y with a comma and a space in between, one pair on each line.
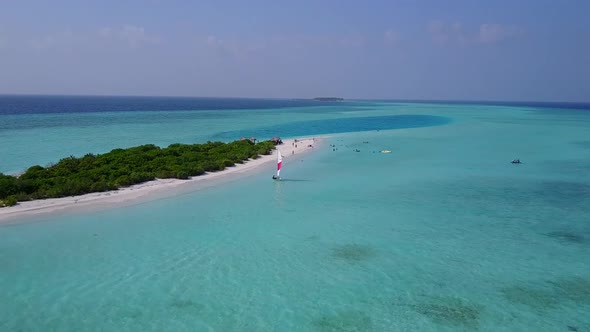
290, 148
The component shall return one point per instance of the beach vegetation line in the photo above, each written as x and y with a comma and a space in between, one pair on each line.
119, 168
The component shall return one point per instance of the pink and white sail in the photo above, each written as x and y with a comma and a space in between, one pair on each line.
279, 162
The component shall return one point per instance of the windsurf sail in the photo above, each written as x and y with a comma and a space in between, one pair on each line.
279, 163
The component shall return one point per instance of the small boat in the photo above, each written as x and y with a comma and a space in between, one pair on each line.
385, 151
279, 166
516, 161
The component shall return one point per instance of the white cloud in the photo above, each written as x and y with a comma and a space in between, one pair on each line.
298, 41
454, 33
222, 47
68, 41
391, 37
250, 48
43, 42
352, 41
132, 35
494, 33
446, 33
62, 40
212, 40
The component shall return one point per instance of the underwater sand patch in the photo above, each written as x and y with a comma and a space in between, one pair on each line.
345, 321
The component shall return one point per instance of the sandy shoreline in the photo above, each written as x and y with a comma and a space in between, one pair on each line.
146, 190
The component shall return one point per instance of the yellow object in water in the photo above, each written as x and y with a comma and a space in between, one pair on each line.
385, 151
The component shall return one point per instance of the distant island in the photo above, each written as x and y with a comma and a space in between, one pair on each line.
328, 98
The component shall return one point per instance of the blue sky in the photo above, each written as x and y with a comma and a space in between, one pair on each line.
525, 50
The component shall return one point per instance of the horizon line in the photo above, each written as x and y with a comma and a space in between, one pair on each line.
297, 98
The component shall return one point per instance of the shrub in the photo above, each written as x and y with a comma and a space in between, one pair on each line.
22, 197
182, 175
123, 181
102, 186
10, 201
165, 174
8, 185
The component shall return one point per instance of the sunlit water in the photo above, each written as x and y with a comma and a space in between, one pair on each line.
442, 234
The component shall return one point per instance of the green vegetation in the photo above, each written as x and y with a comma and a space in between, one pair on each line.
124, 167
328, 99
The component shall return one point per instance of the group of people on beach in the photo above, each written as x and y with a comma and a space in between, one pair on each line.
294, 143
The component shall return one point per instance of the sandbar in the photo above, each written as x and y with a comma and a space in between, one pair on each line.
290, 148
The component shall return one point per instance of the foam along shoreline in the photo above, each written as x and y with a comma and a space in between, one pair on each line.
150, 189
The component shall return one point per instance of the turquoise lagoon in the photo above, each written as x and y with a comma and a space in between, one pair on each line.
442, 234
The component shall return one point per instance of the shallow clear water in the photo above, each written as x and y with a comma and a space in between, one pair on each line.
442, 234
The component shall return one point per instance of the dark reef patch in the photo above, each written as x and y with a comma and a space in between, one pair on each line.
582, 144
128, 314
186, 305
514, 194
534, 297
550, 295
566, 236
576, 289
353, 252
564, 191
576, 167
450, 311
346, 321
312, 238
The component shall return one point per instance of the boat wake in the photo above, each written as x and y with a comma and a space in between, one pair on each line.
294, 180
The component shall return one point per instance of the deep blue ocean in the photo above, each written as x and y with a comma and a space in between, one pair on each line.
441, 234
24, 104
39, 104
